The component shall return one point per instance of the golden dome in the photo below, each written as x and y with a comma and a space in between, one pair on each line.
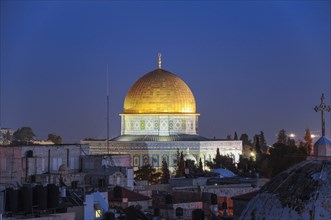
159, 92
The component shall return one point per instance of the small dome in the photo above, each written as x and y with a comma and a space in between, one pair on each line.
190, 157
300, 192
159, 92
322, 147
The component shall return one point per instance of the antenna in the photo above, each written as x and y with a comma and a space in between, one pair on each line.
159, 60
107, 112
0, 90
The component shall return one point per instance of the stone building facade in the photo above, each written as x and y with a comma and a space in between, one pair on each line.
152, 152
22, 163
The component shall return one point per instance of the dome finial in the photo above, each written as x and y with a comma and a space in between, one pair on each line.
159, 60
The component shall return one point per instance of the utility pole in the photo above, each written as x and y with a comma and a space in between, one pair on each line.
107, 113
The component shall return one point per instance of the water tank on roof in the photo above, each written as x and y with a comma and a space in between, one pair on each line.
11, 200
40, 197
26, 193
52, 196
198, 214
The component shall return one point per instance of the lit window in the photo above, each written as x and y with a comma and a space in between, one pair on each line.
98, 213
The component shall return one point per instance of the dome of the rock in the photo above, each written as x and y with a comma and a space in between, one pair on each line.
159, 92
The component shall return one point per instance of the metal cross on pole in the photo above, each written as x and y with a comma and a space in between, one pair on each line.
322, 108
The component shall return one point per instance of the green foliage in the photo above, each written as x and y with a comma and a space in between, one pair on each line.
192, 167
180, 164
218, 159
245, 139
282, 137
165, 173
7, 138
258, 153
56, 139
200, 167
235, 137
149, 173
222, 161
246, 165
283, 156
24, 135
256, 144
309, 141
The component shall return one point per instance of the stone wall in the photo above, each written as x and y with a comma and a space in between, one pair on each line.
19, 163
11, 167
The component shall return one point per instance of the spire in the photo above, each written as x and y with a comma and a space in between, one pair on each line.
322, 108
159, 60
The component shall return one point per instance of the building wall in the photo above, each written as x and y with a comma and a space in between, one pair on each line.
140, 124
19, 163
48, 158
11, 166
187, 210
231, 148
153, 152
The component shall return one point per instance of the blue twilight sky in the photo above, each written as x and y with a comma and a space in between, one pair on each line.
252, 65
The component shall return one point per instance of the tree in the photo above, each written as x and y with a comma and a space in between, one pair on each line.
309, 141
165, 173
149, 173
263, 141
200, 167
180, 164
257, 146
235, 137
222, 161
256, 143
7, 138
24, 135
56, 139
282, 156
282, 137
245, 140
218, 159
291, 142
229, 137
246, 165
191, 167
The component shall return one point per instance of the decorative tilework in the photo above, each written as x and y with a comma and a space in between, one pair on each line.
142, 124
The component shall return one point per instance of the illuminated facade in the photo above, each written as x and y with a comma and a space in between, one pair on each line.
160, 117
159, 103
